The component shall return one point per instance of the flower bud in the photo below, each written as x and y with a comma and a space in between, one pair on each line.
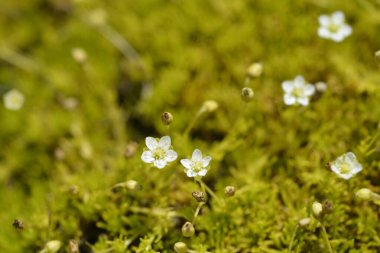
327, 206
132, 185
73, 246
130, 149
255, 70
52, 247
18, 224
79, 55
364, 194
180, 247
247, 94
199, 196
13, 100
317, 209
167, 118
377, 56
304, 222
321, 86
209, 106
229, 191
188, 229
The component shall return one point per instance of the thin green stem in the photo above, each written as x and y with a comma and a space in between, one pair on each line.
292, 240
208, 190
197, 211
326, 238
192, 123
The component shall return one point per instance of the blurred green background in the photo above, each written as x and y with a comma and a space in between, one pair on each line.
84, 121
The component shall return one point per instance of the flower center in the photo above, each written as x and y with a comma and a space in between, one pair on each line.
333, 28
197, 166
159, 154
345, 168
298, 92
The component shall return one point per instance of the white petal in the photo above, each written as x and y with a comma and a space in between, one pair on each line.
309, 90
324, 20
151, 143
337, 37
287, 86
191, 173
202, 172
323, 32
350, 157
186, 163
165, 142
147, 156
171, 155
299, 81
206, 161
346, 176
338, 17
160, 163
303, 101
345, 30
357, 167
289, 99
197, 155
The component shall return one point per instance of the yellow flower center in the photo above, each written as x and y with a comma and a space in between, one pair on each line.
298, 92
159, 154
333, 28
345, 168
197, 166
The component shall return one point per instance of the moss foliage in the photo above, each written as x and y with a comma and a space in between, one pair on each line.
68, 154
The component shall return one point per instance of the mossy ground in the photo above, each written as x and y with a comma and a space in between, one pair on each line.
59, 162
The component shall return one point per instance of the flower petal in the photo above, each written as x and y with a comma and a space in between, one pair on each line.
197, 155
171, 155
350, 157
186, 163
289, 99
303, 101
165, 142
151, 143
309, 90
287, 86
147, 157
160, 163
191, 173
202, 172
299, 81
206, 161
324, 20
323, 32
338, 17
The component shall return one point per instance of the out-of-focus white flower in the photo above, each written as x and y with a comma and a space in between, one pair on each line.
159, 153
321, 86
196, 166
297, 91
255, 70
52, 246
346, 166
13, 100
79, 55
334, 27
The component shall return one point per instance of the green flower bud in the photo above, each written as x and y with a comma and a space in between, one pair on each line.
247, 94
180, 247
364, 194
18, 224
327, 206
52, 247
209, 106
229, 191
167, 118
188, 229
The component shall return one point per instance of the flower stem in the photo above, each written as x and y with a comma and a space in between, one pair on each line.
197, 211
292, 240
192, 123
326, 238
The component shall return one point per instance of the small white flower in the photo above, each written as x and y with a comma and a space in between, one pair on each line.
160, 152
196, 166
297, 91
346, 166
334, 27
321, 86
13, 100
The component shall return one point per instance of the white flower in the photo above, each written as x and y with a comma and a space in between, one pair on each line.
196, 166
334, 27
159, 153
13, 100
297, 91
346, 165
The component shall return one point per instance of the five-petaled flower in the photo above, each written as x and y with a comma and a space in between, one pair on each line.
346, 166
196, 166
297, 91
334, 27
160, 151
